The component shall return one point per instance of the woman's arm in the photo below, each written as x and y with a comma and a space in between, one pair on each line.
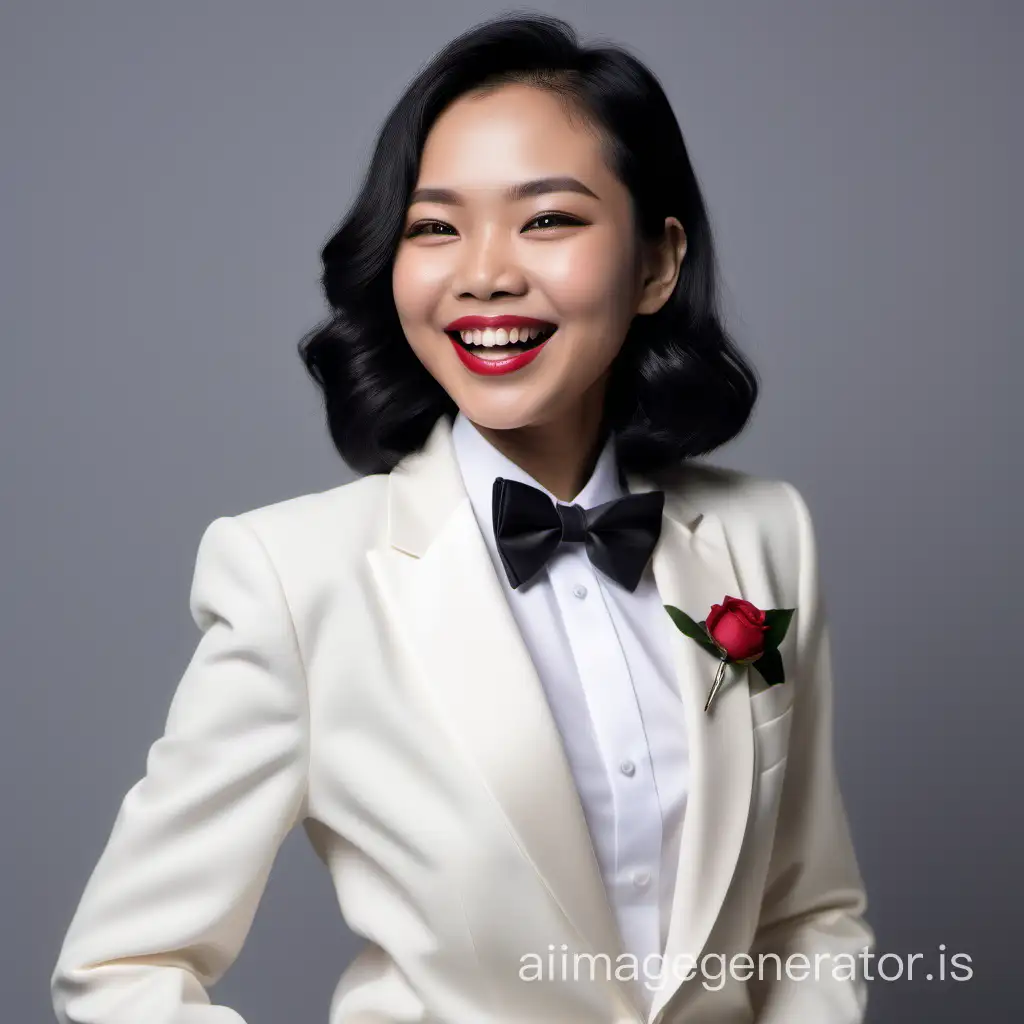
814, 897
171, 900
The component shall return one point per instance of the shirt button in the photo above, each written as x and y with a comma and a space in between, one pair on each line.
579, 590
627, 768
641, 879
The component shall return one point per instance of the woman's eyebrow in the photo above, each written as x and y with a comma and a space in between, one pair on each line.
522, 190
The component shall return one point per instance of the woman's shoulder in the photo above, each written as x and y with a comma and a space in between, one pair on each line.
353, 496
329, 525
734, 495
764, 518
768, 511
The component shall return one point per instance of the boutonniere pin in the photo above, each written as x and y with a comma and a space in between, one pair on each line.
739, 633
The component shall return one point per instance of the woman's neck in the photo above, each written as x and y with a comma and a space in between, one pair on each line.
560, 453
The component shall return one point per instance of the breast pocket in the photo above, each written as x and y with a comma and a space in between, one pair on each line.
771, 712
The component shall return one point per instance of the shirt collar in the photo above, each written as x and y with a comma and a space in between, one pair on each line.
480, 463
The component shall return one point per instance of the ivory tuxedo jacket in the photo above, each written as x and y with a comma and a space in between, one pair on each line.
335, 686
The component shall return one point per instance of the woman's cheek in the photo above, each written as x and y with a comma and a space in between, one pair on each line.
587, 280
404, 289
411, 276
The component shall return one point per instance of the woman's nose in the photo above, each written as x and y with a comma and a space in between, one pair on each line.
487, 264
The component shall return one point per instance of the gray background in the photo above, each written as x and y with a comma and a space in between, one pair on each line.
169, 174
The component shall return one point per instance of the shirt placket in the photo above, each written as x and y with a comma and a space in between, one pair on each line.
631, 858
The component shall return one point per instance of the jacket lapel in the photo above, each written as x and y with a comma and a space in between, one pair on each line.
435, 575
694, 568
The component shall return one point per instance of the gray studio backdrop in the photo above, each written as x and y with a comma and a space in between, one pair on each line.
169, 174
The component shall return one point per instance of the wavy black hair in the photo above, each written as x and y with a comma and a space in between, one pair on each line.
678, 387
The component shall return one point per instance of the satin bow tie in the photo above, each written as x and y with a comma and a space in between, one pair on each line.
620, 535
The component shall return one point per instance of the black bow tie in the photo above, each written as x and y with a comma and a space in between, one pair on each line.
620, 535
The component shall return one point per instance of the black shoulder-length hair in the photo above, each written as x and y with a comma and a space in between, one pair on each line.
677, 388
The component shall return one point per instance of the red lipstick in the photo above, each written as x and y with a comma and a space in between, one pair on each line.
481, 323
492, 367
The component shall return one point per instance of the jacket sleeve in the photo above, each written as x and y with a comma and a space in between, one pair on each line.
814, 898
169, 904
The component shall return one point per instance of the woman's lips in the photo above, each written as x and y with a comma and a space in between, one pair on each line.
490, 367
481, 323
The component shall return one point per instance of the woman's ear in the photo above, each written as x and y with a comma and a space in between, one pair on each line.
661, 269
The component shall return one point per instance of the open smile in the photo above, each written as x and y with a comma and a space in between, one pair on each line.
490, 351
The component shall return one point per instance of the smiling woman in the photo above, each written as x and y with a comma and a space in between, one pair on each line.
458, 672
531, 221
521, 175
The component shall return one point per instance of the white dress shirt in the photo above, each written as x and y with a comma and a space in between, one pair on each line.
602, 654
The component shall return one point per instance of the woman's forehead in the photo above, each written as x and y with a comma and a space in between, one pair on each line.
508, 146
509, 120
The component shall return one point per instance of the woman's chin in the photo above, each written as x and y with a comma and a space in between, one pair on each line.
505, 412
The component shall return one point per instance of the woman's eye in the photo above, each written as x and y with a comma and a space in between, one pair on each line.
553, 220
560, 219
420, 228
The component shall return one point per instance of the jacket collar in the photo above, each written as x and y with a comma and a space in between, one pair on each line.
427, 485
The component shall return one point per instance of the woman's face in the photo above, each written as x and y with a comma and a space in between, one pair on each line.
565, 254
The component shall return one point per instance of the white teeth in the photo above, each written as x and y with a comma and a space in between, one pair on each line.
501, 336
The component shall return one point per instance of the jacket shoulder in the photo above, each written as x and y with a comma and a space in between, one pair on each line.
338, 522
736, 496
771, 510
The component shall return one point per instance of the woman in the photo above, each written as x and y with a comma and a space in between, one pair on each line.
456, 672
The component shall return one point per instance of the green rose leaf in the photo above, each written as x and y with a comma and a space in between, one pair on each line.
694, 630
777, 621
770, 667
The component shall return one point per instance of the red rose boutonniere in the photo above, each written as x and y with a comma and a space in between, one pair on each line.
739, 633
